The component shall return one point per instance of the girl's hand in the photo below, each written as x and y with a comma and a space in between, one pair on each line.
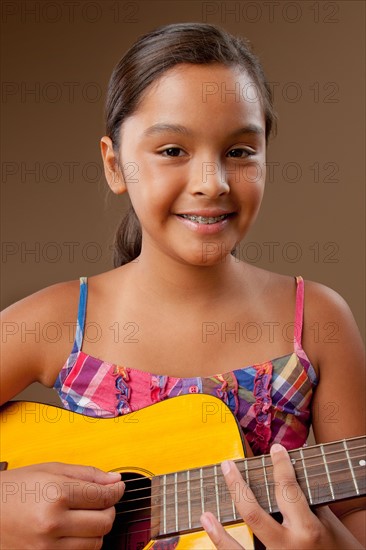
54, 505
301, 528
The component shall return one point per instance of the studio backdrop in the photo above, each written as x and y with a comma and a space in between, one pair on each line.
59, 218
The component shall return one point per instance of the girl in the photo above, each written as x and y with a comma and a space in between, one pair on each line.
191, 156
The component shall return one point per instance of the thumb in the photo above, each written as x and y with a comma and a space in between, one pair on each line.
221, 539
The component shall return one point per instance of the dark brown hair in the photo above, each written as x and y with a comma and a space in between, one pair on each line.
149, 57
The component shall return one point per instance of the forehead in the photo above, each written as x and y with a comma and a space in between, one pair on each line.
196, 93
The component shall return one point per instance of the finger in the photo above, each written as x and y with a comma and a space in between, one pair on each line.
88, 523
75, 543
289, 496
91, 496
221, 539
261, 523
78, 471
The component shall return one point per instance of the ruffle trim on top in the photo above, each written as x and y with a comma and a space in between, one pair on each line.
158, 388
123, 393
261, 434
228, 392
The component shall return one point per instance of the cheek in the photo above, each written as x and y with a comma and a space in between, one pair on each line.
154, 195
255, 174
253, 182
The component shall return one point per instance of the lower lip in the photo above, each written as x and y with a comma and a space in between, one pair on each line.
205, 228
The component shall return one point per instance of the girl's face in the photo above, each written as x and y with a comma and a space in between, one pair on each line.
197, 142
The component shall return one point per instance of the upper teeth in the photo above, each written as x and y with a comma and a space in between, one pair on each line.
202, 219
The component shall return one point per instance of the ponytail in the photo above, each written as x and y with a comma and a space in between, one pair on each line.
128, 239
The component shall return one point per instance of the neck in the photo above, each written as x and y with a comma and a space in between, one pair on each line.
170, 279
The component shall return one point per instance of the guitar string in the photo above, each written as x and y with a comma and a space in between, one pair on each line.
177, 493
262, 499
252, 482
241, 465
197, 523
269, 464
208, 507
148, 531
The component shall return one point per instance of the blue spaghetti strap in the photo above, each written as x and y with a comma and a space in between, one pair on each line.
299, 312
80, 325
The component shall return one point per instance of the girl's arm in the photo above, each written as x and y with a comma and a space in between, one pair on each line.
338, 412
29, 350
32, 517
338, 409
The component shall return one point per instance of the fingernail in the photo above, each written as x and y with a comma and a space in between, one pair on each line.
225, 467
276, 448
207, 524
115, 475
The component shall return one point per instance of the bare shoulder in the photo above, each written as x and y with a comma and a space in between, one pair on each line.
36, 334
329, 298
45, 305
325, 305
330, 329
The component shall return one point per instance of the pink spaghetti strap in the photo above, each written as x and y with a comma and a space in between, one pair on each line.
299, 311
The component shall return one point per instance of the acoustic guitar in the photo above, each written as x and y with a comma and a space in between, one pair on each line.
169, 456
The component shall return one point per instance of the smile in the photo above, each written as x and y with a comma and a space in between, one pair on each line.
203, 219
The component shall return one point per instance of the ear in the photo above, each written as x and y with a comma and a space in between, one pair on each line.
113, 173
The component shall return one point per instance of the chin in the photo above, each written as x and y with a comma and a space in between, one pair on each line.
207, 258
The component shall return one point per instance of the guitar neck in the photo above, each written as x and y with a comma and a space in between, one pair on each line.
325, 473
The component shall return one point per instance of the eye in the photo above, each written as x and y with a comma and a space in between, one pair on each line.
172, 152
240, 153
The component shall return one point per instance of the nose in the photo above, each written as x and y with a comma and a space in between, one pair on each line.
210, 180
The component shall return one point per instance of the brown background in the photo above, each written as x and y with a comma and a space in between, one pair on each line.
313, 211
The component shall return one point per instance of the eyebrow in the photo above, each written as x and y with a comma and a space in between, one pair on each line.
162, 127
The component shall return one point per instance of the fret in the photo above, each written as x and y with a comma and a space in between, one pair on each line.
234, 509
256, 479
311, 474
327, 471
184, 487
350, 466
217, 494
194, 504
339, 470
246, 471
157, 507
176, 501
164, 503
189, 501
266, 484
356, 449
170, 503
343, 465
224, 503
202, 492
306, 476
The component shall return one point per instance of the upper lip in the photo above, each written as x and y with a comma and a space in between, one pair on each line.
206, 212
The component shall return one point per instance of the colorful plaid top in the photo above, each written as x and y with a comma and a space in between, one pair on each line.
271, 400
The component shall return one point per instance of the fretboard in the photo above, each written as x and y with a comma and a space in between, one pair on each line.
326, 473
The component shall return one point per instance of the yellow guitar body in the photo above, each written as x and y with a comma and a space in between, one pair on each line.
177, 434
